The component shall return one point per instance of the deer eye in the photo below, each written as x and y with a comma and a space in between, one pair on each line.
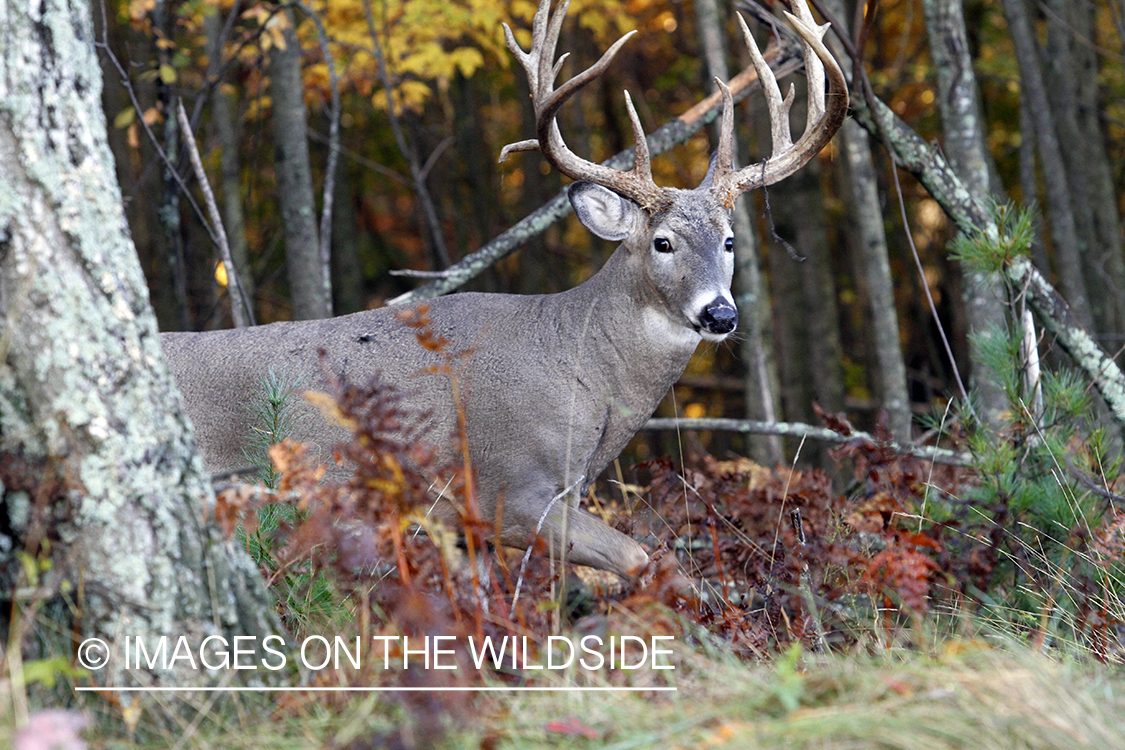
662, 245
729, 244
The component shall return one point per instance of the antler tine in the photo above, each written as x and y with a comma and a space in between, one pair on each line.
826, 113
542, 69
814, 68
575, 84
724, 156
642, 162
547, 64
541, 75
777, 106
527, 62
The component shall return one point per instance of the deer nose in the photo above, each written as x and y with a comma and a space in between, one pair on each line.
719, 316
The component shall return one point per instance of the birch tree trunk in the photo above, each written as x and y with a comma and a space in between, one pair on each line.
964, 144
96, 455
750, 288
309, 281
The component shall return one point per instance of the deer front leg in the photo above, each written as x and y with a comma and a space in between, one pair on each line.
588, 540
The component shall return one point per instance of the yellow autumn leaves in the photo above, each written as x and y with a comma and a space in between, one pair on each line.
425, 43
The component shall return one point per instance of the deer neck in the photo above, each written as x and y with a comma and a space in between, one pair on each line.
626, 336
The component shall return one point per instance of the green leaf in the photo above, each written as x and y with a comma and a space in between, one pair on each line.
30, 569
48, 671
124, 118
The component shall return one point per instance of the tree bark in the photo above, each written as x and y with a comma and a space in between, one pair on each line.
1072, 76
869, 242
750, 288
85, 398
1060, 212
964, 144
311, 292
223, 118
968, 211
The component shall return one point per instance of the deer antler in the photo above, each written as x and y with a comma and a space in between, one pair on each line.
822, 123
542, 69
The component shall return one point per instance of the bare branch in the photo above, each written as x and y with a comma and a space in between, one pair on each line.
801, 430
437, 239
239, 309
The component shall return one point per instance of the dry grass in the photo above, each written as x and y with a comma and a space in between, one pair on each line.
965, 695
979, 693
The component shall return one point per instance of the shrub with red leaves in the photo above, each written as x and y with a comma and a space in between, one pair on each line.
731, 523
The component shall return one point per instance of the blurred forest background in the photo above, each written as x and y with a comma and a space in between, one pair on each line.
835, 281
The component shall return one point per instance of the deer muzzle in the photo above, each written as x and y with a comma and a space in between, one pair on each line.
718, 317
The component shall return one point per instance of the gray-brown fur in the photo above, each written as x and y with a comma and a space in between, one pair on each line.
554, 388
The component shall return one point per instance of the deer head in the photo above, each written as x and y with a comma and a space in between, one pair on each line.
682, 239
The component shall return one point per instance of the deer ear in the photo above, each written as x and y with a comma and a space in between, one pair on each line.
602, 211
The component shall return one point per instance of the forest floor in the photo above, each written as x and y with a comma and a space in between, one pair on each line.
899, 604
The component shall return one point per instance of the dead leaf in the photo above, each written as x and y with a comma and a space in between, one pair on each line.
572, 727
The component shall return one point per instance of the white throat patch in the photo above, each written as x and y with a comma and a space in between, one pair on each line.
662, 328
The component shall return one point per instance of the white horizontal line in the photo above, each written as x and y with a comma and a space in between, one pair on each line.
244, 689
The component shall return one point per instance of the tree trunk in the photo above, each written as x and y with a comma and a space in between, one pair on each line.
1029, 185
869, 244
347, 270
169, 212
1060, 213
964, 144
752, 296
811, 354
223, 117
308, 281
97, 457
1072, 77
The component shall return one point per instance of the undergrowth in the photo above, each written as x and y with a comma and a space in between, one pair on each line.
1024, 545
914, 608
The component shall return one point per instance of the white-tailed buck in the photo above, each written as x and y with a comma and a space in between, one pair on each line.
555, 385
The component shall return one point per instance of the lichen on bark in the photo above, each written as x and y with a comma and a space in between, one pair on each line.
83, 385
968, 211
